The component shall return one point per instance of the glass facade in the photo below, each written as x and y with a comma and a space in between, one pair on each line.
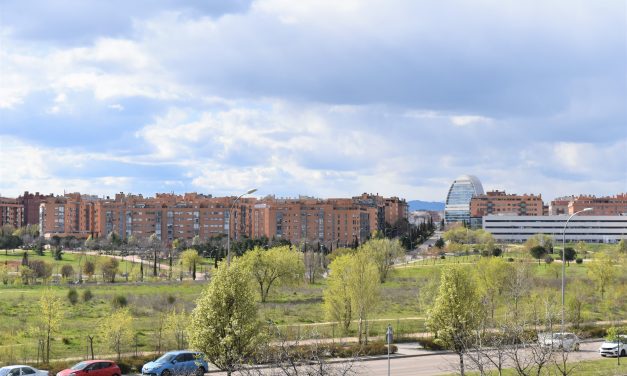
458, 199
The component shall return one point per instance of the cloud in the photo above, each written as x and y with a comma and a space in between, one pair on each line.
314, 97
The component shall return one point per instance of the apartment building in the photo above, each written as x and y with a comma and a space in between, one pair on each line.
499, 202
341, 221
11, 212
608, 205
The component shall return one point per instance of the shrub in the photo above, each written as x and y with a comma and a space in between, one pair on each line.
442, 257
119, 301
496, 252
548, 259
89, 268
171, 299
67, 271
66, 341
579, 260
430, 344
510, 259
41, 269
485, 253
87, 295
72, 296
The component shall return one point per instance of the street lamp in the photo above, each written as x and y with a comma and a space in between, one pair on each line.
228, 237
564, 259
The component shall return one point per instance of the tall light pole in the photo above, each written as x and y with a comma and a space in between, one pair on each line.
564, 259
228, 236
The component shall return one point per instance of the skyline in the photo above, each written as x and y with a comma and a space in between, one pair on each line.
313, 98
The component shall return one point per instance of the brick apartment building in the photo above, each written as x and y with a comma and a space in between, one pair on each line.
339, 221
11, 212
607, 205
501, 203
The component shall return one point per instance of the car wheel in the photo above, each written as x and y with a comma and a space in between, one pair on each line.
166, 372
200, 371
577, 347
622, 353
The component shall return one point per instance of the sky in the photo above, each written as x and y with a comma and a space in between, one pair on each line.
313, 97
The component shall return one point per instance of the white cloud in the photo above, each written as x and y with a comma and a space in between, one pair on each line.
463, 120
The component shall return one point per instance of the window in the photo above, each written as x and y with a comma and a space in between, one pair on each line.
28, 371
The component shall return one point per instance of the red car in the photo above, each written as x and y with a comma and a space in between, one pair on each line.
92, 368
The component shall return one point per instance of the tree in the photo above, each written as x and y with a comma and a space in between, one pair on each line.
67, 271
116, 330
363, 286
176, 324
538, 252
277, 265
384, 253
41, 269
336, 296
569, 254
439, 243
189, 259
4, 274
602, 272
48, 320
109, 268
89, 268
622, 246
491, 275
456, 312
546, 241
225, 325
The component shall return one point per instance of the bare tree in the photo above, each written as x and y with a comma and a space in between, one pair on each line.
303, 356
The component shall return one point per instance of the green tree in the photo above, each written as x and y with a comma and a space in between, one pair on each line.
622, 246
491, 275
384, 253
602, 272
439, 243
176, 323
189, 259
364, 288
277, 265
117, 330
4, 274
225, 325
538, 252
337, 296
569, 254
456, 312
48, 320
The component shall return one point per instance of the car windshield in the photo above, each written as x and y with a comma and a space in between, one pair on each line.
4, 371
166, 358
79, 366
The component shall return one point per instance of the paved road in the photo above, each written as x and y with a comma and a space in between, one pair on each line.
447, 363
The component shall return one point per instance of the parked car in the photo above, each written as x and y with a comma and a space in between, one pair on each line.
566, 341
92, 368
20, 370
175, 363
612, 348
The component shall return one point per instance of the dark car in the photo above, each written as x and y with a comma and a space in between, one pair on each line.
92, 368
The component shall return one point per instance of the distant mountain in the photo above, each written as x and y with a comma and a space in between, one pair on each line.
425, 205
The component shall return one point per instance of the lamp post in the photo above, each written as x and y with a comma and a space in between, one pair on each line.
564, 259
228, 237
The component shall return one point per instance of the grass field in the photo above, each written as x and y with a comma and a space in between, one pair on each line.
297, 310
600, 367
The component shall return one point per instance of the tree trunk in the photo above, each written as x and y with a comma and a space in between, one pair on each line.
461, 364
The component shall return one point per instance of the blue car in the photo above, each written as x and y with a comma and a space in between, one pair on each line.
177, 363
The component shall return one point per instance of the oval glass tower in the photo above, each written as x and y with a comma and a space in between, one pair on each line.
458, 199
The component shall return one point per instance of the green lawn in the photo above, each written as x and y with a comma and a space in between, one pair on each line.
600, 367
297, 310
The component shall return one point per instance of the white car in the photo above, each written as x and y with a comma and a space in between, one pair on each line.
611, 348
20, 370
566, 341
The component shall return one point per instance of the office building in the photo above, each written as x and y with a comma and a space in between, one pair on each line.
590, 229
463, 189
